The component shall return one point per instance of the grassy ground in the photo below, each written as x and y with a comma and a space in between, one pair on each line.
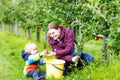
12, 63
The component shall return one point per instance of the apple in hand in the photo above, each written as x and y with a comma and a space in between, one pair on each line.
46, 51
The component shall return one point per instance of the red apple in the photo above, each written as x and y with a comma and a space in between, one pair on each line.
99, 36
102, 8
87, 0
46, 51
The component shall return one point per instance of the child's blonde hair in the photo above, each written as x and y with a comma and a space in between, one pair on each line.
29, 46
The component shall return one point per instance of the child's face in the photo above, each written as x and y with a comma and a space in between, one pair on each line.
34, 51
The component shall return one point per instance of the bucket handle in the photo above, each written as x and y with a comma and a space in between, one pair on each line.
58, 67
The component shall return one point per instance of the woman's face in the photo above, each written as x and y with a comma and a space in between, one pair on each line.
54, 33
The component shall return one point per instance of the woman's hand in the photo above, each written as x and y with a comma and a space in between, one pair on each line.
51, 54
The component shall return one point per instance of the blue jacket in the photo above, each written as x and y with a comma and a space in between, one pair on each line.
32, 62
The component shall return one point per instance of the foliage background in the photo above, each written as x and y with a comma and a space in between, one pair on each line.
27, 20
87, 18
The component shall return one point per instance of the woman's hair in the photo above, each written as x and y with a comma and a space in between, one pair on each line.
52, 25
29, 46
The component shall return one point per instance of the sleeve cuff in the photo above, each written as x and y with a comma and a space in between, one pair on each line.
41, 62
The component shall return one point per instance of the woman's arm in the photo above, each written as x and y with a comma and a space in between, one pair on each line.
68, 42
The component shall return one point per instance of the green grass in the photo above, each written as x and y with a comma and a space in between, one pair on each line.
12, 63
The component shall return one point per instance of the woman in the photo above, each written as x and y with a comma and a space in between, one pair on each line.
61, 40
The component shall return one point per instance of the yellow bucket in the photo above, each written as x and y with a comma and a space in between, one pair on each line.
55, 68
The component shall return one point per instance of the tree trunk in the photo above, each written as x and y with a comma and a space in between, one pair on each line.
25, 32
10, 28
104, 46
0, 26
104, 50
74, 31
4, 27
38, 33
16, 30
45, 39
29, 33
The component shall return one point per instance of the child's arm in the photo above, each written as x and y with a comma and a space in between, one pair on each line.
36, 57
41, 62
33, 58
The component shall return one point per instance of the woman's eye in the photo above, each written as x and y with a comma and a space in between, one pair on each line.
53, 32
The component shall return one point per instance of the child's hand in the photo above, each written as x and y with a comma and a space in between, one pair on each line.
44, 52
51, 54
44, 61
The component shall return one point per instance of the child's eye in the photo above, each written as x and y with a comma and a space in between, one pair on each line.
34, 49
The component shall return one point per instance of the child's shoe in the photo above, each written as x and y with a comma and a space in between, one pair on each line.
39, 78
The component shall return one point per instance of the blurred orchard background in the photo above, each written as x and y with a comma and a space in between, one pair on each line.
96, 24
